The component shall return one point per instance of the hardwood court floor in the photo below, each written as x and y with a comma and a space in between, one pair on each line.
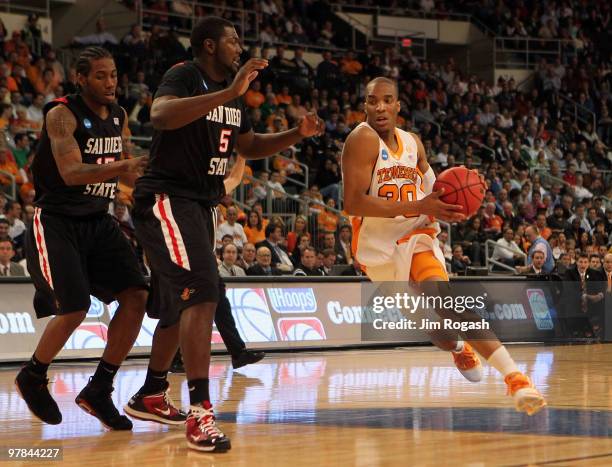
404, 407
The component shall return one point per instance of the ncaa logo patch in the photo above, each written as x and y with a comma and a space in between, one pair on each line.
116, 120
384, 154
87, 123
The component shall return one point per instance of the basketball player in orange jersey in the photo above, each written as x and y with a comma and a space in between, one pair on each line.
388, 188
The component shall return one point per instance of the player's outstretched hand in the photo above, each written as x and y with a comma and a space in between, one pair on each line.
247, 73
432, 205
137, 165
311, 125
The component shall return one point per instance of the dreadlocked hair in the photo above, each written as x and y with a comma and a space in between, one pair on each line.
83, 64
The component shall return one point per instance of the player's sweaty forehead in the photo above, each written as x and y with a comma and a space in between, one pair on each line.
380, 91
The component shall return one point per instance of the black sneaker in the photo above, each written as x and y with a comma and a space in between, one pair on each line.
97, 401
246, 357
177, 364
34, 391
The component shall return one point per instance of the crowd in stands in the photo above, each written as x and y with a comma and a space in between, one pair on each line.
548, 173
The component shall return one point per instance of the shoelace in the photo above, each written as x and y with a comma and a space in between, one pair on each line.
517, 382
466, 359
168, 400
207, 423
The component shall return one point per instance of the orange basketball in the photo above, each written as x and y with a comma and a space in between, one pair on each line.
463, 187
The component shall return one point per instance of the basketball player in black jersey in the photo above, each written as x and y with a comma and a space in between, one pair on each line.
199, 118
73, 247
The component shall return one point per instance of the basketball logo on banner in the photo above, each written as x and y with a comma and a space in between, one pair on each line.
252, 315
301, 329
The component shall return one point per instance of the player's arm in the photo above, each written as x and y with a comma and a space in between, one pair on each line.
61, 125
359, 157
170, 112
235, 176
127, 178
256, 145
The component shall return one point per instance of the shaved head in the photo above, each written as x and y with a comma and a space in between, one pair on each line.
382, 80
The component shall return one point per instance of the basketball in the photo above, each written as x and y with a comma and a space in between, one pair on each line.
462, 186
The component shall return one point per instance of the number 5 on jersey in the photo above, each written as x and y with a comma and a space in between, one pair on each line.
218, 165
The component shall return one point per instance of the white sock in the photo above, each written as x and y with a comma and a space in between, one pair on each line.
502, 362
459, 347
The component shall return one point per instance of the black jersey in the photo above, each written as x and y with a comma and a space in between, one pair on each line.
191, 161
99, 142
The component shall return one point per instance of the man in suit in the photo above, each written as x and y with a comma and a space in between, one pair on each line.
537, 263
329, 243
585, 298
228, 268
7, 267
308, 263
279, 257
264, 265
344, 242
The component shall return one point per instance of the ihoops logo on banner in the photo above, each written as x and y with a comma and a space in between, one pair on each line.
293, 300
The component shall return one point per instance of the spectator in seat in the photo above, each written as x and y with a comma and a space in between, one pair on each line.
328, 179
595, 262
584, 298
538, 244
459, 262
563, 264
328, 220
328, 72
12, 213
280, 258
140, 115
308, 263
349, 65
537, 263
492, 222
254, 97
329, 259
607, 271
300, 227
228, 267
35, 111
329, 243
509, 257
303, 241
344, 242
100, 37
247, 259
544, 231
21, 149
7, 267
263, 266
557, 220
232, 228
254, 229
4, 228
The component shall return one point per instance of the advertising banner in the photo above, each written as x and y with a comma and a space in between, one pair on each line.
301, 314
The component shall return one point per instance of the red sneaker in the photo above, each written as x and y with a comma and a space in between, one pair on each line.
157, 407
202, 431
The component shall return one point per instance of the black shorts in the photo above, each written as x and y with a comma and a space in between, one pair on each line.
71, 258
177, 235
